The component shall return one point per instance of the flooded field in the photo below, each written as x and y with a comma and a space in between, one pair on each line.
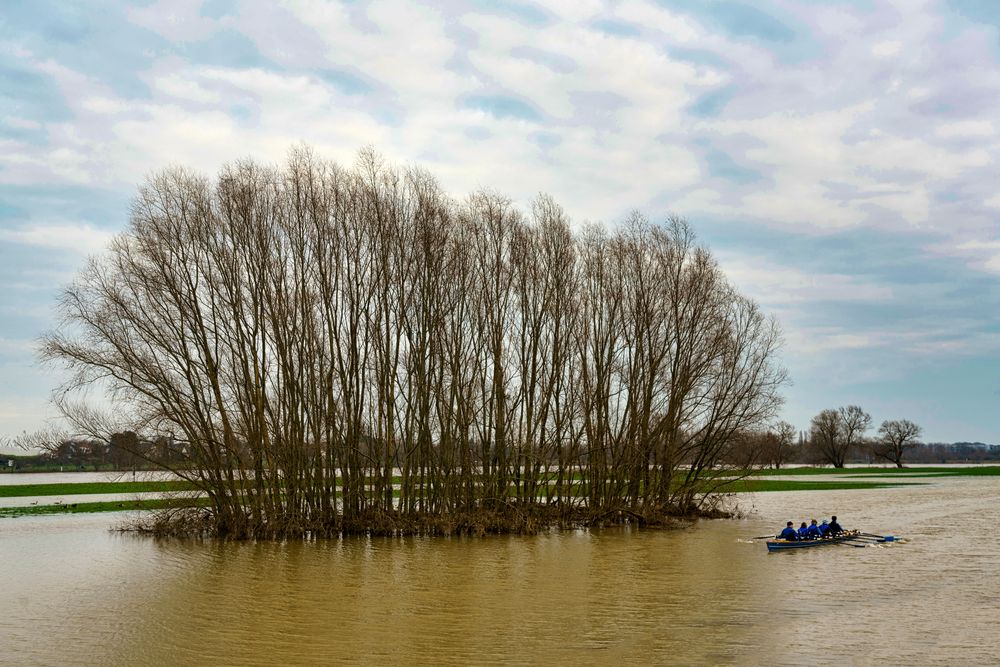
74, 592
15, 479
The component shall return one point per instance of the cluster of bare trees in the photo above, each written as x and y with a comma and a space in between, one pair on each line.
772, 446
836, 434
348, 349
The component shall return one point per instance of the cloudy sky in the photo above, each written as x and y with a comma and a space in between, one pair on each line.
840, 158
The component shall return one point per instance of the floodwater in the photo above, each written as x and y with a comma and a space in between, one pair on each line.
74, 593
8, 479
15, 479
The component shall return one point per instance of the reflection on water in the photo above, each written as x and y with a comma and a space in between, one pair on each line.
74, 593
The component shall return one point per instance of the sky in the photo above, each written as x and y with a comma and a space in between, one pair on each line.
839, 158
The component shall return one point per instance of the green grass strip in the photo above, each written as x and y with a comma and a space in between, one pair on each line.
88, 488
765, 485
976, 471
109, 506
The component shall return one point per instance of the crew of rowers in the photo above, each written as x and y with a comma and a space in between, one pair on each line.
812, 531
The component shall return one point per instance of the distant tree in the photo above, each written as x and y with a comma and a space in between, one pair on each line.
895, 437
834, 434
47, 441
854, 423
747, 450
826, 438
124, 449
779, 444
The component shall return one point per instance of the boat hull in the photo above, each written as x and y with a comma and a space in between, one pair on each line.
782, 545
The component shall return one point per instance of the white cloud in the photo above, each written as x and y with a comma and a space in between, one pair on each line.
887, 48
982, 254
177, 20
779, 286
575, 10
174, 85
99, 104
826, 341
629, 142
76, 238
419, 72
967, 128
21, 123
674, 26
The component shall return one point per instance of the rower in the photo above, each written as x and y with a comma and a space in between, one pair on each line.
788, 533
835, 528
803, 531
824, 528
813, 531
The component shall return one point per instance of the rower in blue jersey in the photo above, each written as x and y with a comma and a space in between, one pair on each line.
788, 533
803, 531
835, 528
813, 532
824, 528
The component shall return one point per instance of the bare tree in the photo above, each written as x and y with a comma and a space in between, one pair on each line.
855, 423
895, 437
834, 434
779, 444
46, 440
332, 349
826, 437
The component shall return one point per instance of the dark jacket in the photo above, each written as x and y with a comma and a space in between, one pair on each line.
835, 528
789, 534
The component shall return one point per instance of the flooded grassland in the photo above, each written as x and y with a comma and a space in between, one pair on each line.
74, 592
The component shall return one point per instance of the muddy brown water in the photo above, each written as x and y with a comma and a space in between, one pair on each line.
74, 593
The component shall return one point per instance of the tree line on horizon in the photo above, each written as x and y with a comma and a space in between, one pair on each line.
350, 350
763, 447
838, 436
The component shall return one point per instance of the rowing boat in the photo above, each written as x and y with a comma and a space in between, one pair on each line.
784, 545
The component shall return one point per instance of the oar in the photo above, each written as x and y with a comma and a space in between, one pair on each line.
883, 538
851, 539
864, 541
764, 537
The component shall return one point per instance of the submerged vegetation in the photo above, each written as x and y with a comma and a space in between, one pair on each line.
333, 350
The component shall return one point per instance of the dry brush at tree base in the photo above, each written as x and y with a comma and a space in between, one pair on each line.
303, 334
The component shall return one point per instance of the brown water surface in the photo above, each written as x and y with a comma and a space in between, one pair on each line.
73, 593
